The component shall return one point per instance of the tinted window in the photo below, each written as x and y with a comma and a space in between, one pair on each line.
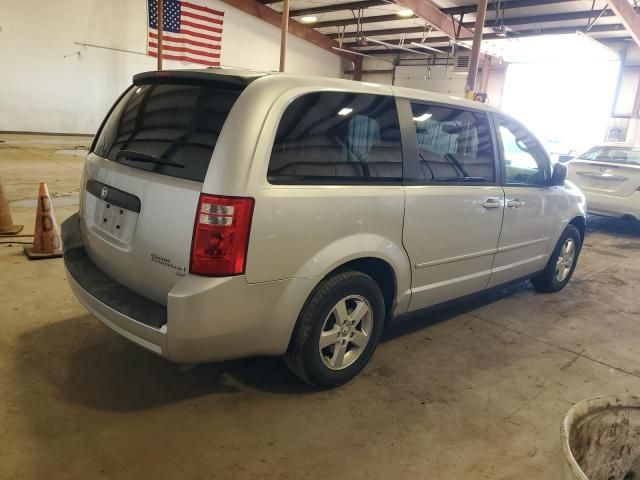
613, 155
167, 128
526, 161
453, 144
333, 137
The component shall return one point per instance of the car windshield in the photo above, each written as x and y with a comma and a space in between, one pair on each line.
626, 155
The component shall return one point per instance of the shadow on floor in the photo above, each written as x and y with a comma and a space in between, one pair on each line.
95, 367
423, 319
613, 226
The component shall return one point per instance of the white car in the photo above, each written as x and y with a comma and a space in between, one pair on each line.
225, 214
609, 175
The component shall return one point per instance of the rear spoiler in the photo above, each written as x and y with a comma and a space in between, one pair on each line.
196, 77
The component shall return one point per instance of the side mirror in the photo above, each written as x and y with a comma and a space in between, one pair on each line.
559, 174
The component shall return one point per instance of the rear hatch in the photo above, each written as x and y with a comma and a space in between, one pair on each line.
607, 170
144, 176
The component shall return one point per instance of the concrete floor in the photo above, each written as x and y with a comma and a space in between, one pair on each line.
476, 391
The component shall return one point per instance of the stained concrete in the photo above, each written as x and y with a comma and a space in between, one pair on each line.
475, 391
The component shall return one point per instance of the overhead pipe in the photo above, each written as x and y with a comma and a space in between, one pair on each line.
283, 34
389, 45
475, 49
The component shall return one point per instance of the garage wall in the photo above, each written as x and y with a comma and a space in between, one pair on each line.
50, 84
434, 78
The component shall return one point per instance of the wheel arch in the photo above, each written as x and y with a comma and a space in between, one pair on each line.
380, 271
581, 224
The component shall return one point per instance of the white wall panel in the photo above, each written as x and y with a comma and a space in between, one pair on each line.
50, 84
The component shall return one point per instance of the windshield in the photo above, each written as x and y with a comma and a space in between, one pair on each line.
625, 155
168, 128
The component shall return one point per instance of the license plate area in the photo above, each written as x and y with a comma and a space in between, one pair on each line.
111, 217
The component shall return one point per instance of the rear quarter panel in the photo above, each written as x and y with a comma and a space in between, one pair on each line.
573, 200
305, 231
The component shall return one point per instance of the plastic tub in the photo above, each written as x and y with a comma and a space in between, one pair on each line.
601, 439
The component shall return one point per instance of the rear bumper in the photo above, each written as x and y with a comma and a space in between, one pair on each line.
206, 319
612, 205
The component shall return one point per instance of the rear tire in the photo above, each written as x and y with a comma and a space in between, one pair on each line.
561, 264
338, 330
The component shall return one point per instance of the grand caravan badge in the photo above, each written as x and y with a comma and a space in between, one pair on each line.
179, 270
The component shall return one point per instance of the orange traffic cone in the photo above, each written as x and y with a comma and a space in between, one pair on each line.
46, 240
6, 222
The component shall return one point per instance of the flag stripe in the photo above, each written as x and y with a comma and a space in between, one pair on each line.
174, 48
201, 35
154, 33
186, 13
188, 55
195, 43
202, 8
185, 58
200, 26
182, 44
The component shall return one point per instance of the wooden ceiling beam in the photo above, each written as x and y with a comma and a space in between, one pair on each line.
509, 22
618, 27
629, 17
338, 7
506, 5
362, 4
255, 8
432, 14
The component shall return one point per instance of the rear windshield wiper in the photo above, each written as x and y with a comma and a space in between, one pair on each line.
462, 179
144, 157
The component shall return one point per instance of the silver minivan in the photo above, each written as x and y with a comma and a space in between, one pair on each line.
227, 213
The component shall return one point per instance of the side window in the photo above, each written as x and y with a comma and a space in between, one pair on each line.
453, 144
336, 137
613, 155
526, 162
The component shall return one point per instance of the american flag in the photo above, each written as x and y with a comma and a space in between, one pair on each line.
192, 32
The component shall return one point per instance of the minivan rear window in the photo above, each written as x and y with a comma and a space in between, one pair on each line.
167, 128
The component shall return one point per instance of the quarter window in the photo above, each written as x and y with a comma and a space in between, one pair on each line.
453, 145
525, 160
334, 137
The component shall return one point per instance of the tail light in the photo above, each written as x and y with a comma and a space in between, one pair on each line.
221, 235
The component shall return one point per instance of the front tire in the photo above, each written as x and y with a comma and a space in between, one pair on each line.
561, 264
338, 330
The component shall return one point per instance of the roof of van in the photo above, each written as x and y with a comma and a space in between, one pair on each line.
242, 77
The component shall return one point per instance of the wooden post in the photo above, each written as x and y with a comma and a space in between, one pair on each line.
486, 71
283, 35
357, 69
475, 48
635, 111
160, 25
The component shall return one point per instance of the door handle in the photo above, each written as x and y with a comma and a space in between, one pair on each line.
516, 203
491, 203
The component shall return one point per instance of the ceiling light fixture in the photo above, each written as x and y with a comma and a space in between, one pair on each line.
345, 111
405, 13
308, 19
